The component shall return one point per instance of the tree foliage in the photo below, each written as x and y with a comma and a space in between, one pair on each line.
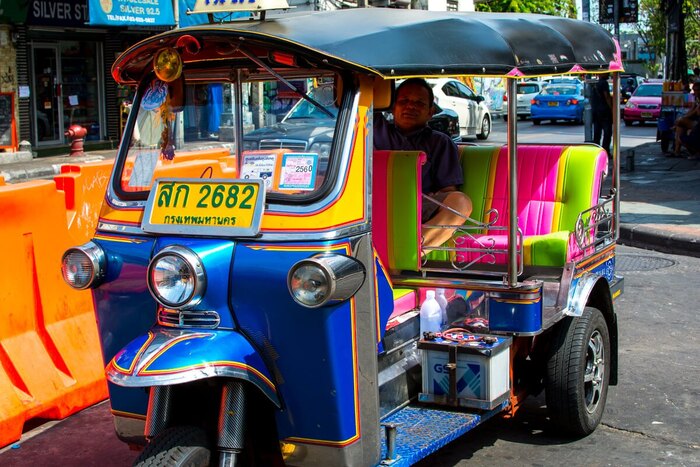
566, 8
652, 27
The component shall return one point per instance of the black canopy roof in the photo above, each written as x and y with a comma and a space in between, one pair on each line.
401, 43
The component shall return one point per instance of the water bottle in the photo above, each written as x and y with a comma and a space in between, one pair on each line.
442, 301
430, 314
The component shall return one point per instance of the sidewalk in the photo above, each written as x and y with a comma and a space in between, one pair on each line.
660, 202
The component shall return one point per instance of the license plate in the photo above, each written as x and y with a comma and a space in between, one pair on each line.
646, 114
205, 207
553, 104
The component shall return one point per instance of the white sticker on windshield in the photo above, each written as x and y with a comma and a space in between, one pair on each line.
259, 166
298, 171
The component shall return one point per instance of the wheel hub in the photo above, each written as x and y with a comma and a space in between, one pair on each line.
595, 371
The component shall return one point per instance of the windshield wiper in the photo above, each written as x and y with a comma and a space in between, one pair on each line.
279, 77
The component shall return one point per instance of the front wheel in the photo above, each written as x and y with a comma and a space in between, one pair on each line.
485, 128
578, 371
178, 446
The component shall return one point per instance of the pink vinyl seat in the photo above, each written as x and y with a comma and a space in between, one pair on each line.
555, 184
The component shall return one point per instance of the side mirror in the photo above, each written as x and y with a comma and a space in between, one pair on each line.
480, 99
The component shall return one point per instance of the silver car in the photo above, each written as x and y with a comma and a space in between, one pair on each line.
526, 91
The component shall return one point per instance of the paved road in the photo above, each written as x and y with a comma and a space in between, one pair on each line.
651, 417
567, 133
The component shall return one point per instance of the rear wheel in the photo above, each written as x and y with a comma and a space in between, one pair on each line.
178, 446
485, 128
578, 371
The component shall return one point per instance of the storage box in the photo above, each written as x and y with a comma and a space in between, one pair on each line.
470, 371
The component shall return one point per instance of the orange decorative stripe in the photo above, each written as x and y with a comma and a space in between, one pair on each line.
116, 238
141, 350
239, 365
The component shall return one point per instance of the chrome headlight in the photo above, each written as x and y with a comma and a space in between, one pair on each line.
630, 105
176, 277
83, 266
325, 278
322, 149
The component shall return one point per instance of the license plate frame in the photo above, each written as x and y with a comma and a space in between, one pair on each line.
553, 104
646, 114
207, 207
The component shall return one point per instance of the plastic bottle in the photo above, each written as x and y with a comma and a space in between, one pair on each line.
430, 314
442, 301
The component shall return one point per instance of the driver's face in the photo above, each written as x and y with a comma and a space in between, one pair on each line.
412, 108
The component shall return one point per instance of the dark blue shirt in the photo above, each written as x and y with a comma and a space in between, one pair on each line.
441, 168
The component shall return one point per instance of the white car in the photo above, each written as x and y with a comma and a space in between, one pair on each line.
474, 115
526, 91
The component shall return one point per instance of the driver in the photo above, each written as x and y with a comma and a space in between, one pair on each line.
442, 173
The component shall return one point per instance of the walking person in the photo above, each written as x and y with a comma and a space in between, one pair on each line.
601, 107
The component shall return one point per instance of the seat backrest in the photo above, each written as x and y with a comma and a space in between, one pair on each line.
555, 184
396, 194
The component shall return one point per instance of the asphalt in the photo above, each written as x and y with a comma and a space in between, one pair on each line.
659, 207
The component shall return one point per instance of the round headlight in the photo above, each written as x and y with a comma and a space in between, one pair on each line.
309, 284
167, 64
83, 266
325, 278
176, 277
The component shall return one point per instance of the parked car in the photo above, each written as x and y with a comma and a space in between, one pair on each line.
307, 128
644, 105
559, 101
474, 114
526, 90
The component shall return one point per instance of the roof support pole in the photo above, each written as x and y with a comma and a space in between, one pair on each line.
512, 142
616, 151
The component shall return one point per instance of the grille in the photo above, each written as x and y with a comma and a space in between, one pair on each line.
188, 318
648, 106
283, 144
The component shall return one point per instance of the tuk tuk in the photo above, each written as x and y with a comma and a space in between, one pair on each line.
258, 287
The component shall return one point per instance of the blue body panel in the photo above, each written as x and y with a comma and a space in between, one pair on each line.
172, 356
511, 316
384, 301
317, 382
125, 309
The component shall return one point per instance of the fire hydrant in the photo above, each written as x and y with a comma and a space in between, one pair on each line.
76, 133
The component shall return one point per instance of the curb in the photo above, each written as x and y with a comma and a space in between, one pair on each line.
659, 240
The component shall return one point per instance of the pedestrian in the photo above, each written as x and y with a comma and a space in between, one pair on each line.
442, 173
687, 131
601, 107
696, 75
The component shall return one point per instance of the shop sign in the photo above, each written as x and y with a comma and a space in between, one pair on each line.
131, 12
62, 13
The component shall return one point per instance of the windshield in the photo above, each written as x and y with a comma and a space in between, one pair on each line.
189, 131
528, 88
557, 89
649, 90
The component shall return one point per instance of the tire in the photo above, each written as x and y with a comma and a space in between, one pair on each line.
505, 117
485, 128
536, 121
578, 372
628, 122
178, 446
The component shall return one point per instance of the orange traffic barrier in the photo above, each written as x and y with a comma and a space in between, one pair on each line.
50, 359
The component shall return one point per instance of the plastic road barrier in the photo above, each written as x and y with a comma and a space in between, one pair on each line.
50, 359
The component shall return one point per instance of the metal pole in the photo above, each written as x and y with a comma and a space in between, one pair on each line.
616, 18
616, 150
238, 108
176, 12
512, 142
